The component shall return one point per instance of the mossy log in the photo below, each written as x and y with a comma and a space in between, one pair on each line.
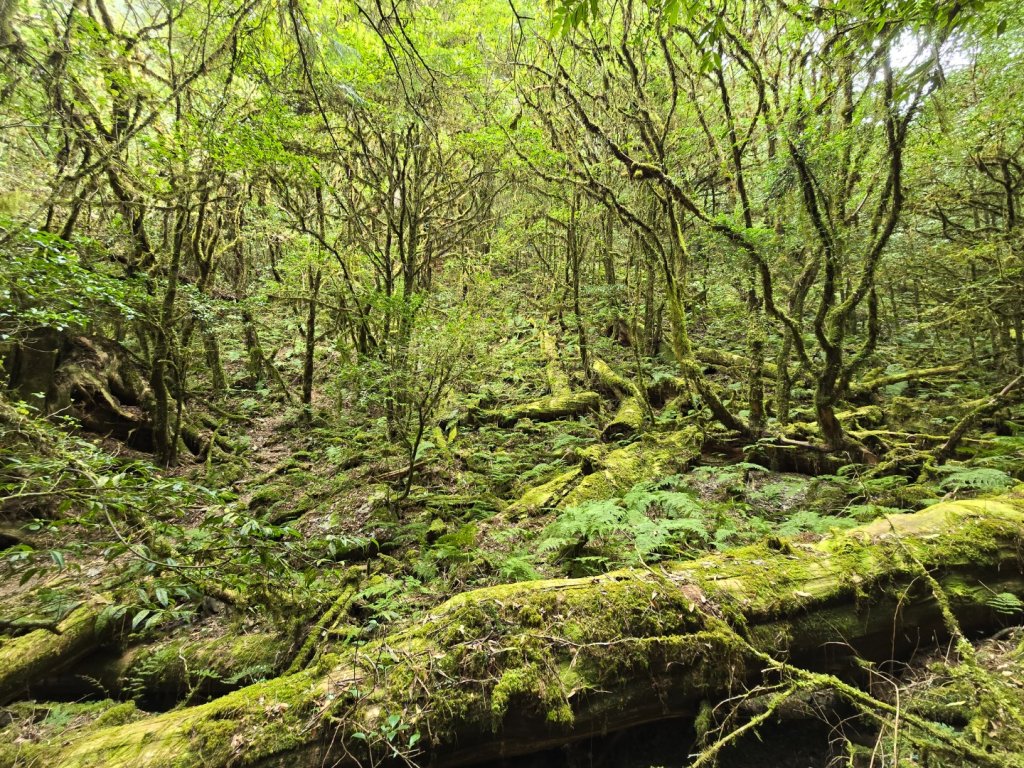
548, 495
629, 417
603, 474
159, 675
30, 658
627, 421
855, 418
722, 359
611, 382
868, 387
606, 475
545, 409
515, 669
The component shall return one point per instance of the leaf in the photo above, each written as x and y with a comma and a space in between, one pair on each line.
977, 478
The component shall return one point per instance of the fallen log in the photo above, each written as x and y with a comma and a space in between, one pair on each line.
545, 409
604, 473
161, 674
515, 669
628, 419
868, 387
719, 358
27, 659
612, 383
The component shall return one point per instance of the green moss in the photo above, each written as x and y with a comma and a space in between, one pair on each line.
119, 714
436, 529
268, 495
26, 658
545, 496
530, 616
619, 470
547, 409
516, 681
202, 664
471, 661
262, 719
628, 419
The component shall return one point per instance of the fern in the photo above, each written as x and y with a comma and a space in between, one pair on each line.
517, 567
644, 526
646, 497
577, 526
566, 440
974, 478
1005, 603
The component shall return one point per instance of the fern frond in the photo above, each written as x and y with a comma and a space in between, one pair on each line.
975, 478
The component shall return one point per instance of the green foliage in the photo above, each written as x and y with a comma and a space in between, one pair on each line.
393, 739
648, 524
47, 284
956, 478
1005, 603
516, 567
385, 599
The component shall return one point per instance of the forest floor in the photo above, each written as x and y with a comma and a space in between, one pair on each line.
323, 556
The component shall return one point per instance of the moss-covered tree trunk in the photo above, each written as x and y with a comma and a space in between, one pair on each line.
513, 669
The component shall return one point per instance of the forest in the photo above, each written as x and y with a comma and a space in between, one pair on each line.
583, 383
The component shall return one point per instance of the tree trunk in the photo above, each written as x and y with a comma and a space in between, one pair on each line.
519, 668
32, 365
310, 350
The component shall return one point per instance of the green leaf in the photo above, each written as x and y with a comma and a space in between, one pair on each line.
58, 557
